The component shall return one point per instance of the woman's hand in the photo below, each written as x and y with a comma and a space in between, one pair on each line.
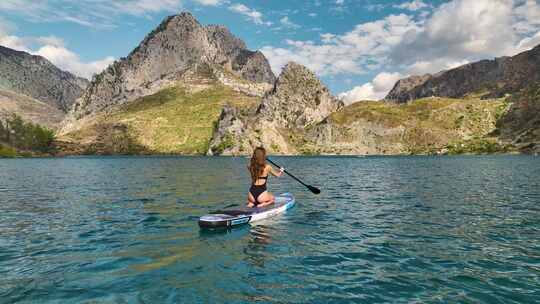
281, 170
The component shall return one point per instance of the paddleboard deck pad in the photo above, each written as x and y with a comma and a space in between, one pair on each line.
228, 218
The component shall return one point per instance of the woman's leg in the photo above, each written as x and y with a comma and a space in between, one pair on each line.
266, 198
251, 200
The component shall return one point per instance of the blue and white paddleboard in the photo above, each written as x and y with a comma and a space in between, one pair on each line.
240, 216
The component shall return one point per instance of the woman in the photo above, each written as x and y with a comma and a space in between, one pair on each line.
258, 195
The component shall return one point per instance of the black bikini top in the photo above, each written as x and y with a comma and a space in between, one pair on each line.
262, 177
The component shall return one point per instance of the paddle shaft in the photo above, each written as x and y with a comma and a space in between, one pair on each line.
301, 182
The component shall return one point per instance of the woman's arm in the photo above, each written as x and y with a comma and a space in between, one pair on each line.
275, 173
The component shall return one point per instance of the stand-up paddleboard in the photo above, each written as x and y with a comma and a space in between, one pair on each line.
228, 218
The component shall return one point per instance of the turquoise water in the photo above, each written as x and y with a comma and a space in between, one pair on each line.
385, 229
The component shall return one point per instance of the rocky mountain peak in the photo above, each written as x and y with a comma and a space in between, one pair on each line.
299, 98
294, 74
400, 91
171, 23
179, 46
185, 17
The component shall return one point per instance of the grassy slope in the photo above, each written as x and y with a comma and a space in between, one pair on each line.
432, 124
172, 121
7, 151
175, 121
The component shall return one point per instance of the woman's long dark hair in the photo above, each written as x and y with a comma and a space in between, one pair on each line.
257, 163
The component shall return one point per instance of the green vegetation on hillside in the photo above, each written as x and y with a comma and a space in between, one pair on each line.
7, 152
172, 121
25, 136
477, 146
432, 125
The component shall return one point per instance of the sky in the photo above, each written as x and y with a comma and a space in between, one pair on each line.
359, 48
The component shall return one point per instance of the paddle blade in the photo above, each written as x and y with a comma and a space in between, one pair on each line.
315, 190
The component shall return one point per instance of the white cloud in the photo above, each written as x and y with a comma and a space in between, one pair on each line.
69, 61
374, 90
340, 2
412, 5
367, 44
29, 6
11, 41
529, 42
486, 29
286, 22
252, 14
14, 42
527, 17
54, 50
375, 7
425, 67
312, 15
327, 37
210, 2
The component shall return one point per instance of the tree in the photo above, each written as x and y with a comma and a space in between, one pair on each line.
17, 131
2, 131
28, 136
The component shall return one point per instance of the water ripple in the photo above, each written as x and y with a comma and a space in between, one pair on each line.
385, 229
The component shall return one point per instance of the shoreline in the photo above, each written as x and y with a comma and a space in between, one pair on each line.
271, 155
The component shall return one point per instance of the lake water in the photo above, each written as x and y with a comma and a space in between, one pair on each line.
384, 229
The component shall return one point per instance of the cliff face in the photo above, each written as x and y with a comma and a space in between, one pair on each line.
178, 49
36, 77
403, 90
491, 78
520, 126
297, 101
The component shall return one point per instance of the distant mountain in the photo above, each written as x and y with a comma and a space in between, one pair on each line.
180, 49
36, 77
488, 78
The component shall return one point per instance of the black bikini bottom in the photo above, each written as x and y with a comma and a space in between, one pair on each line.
256, 191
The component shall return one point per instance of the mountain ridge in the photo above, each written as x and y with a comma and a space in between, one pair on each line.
38, 78
490, 78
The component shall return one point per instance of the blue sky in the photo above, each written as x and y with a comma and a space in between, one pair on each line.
358, 48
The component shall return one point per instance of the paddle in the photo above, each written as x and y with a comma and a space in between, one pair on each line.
315, 190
